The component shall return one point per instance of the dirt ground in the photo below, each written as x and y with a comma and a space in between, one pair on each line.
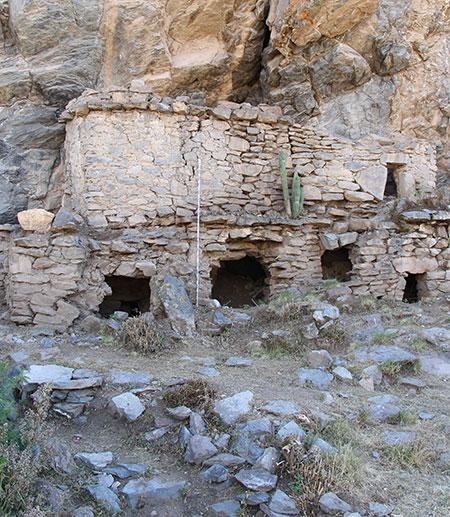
412, 491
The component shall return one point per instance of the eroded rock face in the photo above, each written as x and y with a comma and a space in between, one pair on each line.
354, 66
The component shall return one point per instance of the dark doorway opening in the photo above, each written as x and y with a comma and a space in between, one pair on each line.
239, 282
336, 264
414, 288
390, 190
131, 295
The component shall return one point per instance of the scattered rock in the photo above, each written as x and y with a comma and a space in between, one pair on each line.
342, 374
225, 459
319, 359
255, 428
227, 508
84, 511
140, 492
437, 364
208, 372
238, 361
381, 354
281, 408
412, 382
437, 336
323, 445
95, 460
199, 449
283, 504
196, 423
257, 479
291, 430
268, 460
398, 437
180, 412
126, 470
330, 503
232, 408
127, 405
156, 434
378, 509
315, 377
215, 474
105, 497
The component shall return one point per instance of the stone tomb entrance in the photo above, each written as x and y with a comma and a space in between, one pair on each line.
415, 287
337, 264
131, 295
239, 282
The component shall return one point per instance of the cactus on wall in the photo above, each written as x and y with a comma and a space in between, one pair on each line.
284, 182
298, 196
295, 208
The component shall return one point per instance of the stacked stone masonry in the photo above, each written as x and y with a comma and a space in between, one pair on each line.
132, 164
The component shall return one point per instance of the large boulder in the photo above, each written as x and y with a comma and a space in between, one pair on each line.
170, 297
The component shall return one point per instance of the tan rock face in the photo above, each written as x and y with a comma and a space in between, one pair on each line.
36, 219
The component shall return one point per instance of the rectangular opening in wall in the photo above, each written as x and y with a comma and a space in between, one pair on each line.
239, 282
390, 190
336, 264
130, 295
415, 287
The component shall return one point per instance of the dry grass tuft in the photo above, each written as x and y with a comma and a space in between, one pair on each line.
20, 460
142, 336
416, 455
195, 394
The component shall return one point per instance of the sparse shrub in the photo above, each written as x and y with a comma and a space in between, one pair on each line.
336, 336
416, 455
403, 417
142, 336
393, 369
344, 468
368, 303
339, 432
195, 394
21, 461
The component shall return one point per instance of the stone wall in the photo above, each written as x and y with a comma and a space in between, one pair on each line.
5, 230
131, 171
130, 167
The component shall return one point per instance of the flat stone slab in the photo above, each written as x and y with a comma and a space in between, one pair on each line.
398, 437
315, 377
120, 377
342, 374
229, 508
330, 503
141, 490
225, 459
105, 497
208, 371
291, 430
281, 408
47, 374
232, 408
383, 412
78, 384
255, 428
257, 479
127, 405
436, 364
438, 336
382, 354
238, 361
95, 460
283, 504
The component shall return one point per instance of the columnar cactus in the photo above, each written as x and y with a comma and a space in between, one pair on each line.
298, 196
284, 183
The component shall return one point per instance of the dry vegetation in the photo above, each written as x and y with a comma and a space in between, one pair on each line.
142, 336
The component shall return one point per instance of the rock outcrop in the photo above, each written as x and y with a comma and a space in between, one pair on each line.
354, 66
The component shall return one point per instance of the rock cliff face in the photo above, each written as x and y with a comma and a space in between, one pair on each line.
354, 66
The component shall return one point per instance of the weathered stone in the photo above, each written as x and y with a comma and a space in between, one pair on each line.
378, 509
330, 503
238, 361
127, 405
95, 460
199, 449
105, 497
121, 377
268, 460
140, 492
35, 219
283, 504
227, 508
217, 473
291, 430
342, 374
232, 408
398, 437
257, 479
319, 359
381, 354
225, 459
281, 408
315, 377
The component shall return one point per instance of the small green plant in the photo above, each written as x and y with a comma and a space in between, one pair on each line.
296, 485
339, 432
142, 336
368, 303
184, 492
419, 345
295, 208
382, 338
329, 283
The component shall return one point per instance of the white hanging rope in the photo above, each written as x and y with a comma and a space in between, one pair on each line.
197, 269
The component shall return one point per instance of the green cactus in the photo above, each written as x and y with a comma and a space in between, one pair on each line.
298, 196
284, 183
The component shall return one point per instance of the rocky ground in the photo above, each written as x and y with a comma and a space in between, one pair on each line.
318, 405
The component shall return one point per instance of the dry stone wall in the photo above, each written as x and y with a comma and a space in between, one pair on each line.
130, 198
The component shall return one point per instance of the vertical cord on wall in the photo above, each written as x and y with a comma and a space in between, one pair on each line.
197, 269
